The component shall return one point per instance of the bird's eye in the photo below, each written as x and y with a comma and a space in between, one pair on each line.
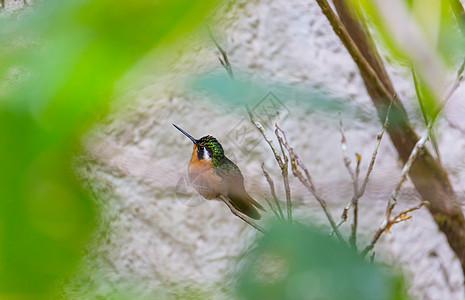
202, 153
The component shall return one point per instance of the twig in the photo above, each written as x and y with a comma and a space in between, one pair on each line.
285, 173
455, 85
282, 163
273, 193
359, 191
241, 215
420, 144
343, 217
225, 61
379, 137
260, 127
403, 176
354, 176
406, 169
346, 157
400, 217
307, 181
453, 88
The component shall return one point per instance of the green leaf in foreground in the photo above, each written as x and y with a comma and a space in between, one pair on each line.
294, 262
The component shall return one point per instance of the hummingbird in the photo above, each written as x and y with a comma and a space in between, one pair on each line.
213, 175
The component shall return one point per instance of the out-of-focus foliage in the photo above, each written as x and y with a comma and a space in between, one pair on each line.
247, 91
58, 67
432, 20
423, 34
294, 262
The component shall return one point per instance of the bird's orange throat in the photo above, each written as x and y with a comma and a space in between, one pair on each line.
198, 166
203, 177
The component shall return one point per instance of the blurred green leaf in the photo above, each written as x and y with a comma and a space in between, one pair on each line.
423, 34
294, 262
67, 56
435, 20
247, 91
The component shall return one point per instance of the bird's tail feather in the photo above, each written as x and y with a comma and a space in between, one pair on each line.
245, 204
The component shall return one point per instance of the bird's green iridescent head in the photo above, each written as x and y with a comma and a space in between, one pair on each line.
211, 145
208, 148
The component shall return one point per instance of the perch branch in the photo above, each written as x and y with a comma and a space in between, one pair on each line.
241, 215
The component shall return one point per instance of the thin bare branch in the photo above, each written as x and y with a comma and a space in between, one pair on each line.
307, 181
346, 156
445, 208
273, 193
354, 176
225, 61
375, 151
406, 169
400, 217
453, 88
455, 85
285, 173
359, 191
241, 215
281, 162
343, 218
260, 127
403, 176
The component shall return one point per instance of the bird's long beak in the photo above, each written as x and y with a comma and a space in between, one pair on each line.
188, 135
